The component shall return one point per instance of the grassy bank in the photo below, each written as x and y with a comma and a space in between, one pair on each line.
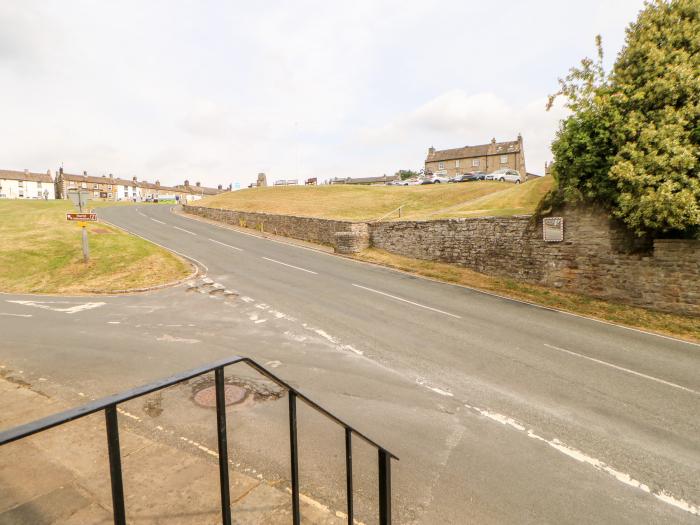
668, 324
40, 252
364, 203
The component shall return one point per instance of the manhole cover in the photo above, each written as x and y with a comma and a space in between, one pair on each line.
207, 396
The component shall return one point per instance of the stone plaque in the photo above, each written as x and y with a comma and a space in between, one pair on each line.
553, 229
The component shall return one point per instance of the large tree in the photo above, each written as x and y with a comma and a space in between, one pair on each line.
632, 142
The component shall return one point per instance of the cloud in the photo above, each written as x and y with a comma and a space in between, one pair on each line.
456, 118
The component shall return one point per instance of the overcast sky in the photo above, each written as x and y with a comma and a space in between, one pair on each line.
217, 91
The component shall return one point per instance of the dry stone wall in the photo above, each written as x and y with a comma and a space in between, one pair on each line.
321, 231
597, 257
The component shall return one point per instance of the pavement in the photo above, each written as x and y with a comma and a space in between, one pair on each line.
501, 412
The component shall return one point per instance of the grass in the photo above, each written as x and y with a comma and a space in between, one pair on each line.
683, 327
366, 203
40, 252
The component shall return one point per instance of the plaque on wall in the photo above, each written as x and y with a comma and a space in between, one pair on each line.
553, 229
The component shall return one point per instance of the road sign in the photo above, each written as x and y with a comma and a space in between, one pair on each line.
82, 217
78, 197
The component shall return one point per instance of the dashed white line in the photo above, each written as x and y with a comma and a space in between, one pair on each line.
623, 369
227, 245
407, 301
184, 230
585, 458
16, 315
290, 265
156, 220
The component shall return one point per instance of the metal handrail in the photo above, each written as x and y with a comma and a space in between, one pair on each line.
109, 405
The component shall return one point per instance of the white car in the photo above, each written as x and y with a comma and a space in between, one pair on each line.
437, 179
504, 175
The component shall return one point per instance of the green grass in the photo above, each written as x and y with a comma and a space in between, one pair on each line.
365, 203
684, 327
40, 252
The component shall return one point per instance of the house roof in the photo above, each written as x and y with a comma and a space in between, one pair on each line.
28, 176
482, 150
198, 190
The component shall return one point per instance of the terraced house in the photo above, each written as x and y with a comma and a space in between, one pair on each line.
484, 157
26, 185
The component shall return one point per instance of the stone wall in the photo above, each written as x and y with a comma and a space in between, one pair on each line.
321, 231
597, 257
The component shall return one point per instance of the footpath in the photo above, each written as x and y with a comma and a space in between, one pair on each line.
61, 476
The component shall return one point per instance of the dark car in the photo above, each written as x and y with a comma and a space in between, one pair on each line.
467, 177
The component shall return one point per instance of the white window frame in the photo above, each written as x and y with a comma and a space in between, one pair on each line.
475, 163
441, 165
457, 163
504, 159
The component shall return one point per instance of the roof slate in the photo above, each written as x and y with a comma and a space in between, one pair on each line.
21, 175
482, 150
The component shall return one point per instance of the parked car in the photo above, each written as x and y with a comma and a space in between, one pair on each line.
505, 175
466, 177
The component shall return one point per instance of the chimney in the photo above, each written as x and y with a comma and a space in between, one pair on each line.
493, 140
26, 171
60, 171
134, 179
520, 137
187, 184
198, 184
431, 151
220, 187
157, 182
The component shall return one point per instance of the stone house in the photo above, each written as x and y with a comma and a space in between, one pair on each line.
26, 185
485, 157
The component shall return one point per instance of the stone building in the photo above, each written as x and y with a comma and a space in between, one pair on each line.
485, 157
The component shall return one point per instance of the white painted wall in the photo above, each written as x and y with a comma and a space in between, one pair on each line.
15, 189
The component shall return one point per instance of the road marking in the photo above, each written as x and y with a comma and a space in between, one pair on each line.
16, 315
290, 265
156, 220
227, 245
184, 230
623, 369
69, 310
407, 301
585, 458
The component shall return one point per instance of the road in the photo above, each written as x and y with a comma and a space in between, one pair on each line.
501, 412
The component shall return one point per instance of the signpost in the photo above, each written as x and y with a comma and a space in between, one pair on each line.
83, 219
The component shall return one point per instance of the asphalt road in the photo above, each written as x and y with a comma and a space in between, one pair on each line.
501, 412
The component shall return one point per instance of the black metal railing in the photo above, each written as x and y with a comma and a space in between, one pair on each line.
109, 406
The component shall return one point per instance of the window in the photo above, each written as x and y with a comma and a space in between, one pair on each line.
21, 184
94, 186
441, 165
504, 159
475, 163
95, 193
457, 163
109, 194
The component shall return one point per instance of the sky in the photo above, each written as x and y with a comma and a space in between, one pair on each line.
217, 91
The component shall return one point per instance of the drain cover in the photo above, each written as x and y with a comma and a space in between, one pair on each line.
207, 396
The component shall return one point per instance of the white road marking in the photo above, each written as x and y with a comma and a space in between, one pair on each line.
156, 220
172, 339
422, 382
16, 315
639, 374
184, 230
290, 265
227, 245
69, 310
247, 299
585, 458
407, 301
113, 322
